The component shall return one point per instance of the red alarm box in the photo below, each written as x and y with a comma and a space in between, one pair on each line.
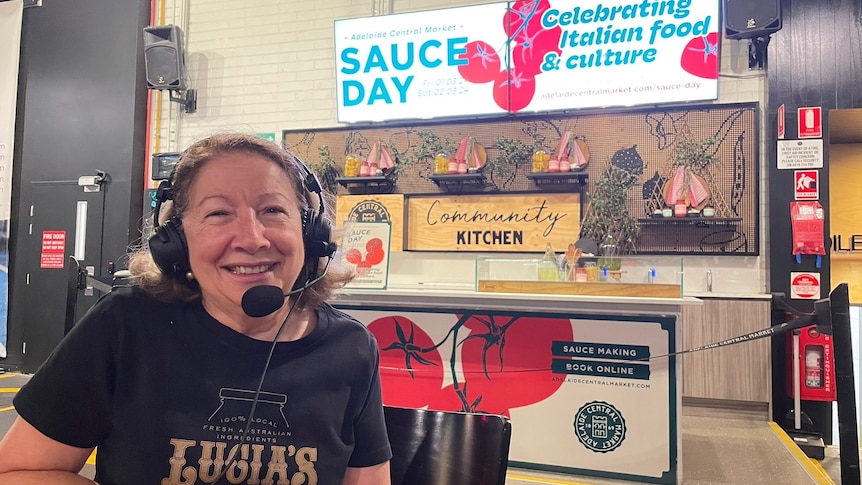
816, 365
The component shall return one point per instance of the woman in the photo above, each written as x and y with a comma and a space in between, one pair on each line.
176, 384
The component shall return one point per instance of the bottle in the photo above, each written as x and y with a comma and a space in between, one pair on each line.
608, 254
547, 267
351, 166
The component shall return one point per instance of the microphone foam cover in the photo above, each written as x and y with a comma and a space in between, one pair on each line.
260, 301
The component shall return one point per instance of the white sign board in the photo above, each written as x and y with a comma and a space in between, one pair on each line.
525, 57
798, 154
365, 247
805, 286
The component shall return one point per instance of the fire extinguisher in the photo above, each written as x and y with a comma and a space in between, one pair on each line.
807, 219
814, 366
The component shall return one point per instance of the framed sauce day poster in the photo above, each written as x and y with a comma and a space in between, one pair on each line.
366, 248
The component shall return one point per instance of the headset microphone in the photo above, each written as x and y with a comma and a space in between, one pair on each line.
260, 301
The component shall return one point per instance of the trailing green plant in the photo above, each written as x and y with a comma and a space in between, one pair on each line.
510, 154
608, 211
325, 168
431, 145
696, 154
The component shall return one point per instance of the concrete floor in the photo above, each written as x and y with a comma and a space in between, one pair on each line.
718, 448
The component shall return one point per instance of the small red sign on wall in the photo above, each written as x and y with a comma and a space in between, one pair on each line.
810, 122
781, 122
806, 185
53, 250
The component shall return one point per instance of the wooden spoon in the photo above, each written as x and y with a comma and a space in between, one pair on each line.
572, 256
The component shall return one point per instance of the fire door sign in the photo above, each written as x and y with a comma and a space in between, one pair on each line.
810, 122
805, 286
806, 187
53, 250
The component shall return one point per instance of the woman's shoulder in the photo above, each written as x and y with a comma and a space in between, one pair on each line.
130, 301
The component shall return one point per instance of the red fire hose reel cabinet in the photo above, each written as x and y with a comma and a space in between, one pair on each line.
817, 365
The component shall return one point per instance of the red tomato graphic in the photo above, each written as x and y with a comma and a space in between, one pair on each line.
362, 268
700, 56
513, 90
483, 63
526, 14
375, 256
506, 359
353, 256
373, 244
411, 369
530, 50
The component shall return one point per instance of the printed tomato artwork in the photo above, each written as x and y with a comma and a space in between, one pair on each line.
700, 56
513, 90
411, 369
506, 363
513, 66
483, 63
374, 252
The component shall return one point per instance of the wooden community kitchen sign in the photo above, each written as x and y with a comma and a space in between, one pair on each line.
483, 222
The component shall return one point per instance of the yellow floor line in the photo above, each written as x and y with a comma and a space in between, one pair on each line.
7, 408
528, 478
7, 375
817, 472
10, 389
92, 459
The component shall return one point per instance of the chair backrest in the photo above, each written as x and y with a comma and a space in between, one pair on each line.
447, 448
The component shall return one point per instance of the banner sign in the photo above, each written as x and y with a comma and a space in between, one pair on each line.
484, 222
578, 391
11, 15
526, 56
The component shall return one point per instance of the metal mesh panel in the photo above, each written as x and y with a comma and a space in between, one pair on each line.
642, 143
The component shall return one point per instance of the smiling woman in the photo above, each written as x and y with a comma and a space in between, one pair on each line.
182, 383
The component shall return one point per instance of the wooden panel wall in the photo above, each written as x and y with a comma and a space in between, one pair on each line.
739, 372
815, 60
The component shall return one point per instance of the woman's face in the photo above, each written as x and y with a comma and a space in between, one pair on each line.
243, 227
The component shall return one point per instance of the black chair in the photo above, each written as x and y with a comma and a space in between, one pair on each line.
447, 448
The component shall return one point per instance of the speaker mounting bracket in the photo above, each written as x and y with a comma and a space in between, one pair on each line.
187, 98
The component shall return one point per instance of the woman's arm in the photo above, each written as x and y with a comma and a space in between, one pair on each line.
370, 475
29, 457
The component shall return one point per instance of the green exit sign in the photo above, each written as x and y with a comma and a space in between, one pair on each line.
267, 136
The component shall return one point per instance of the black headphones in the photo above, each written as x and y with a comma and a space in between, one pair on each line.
170, 251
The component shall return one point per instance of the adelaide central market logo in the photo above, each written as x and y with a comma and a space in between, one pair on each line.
368, 211
600, 427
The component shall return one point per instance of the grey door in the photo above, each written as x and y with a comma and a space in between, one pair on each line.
65, 220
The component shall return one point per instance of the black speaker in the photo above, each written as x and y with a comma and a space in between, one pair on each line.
748, 19
163, 58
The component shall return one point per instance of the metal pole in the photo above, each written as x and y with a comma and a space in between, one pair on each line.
848, 436
797, 400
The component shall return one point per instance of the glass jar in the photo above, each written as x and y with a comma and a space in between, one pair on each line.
540, 161
441, 163
351, 166
592, 271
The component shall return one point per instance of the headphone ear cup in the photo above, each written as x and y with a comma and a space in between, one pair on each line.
169, 250
317, 234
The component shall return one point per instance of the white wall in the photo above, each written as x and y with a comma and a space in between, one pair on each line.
264, 66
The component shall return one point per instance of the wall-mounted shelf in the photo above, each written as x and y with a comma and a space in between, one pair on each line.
366, 185
691, 221
467, 182
559, 180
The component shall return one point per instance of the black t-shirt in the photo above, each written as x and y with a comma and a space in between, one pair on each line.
164, 392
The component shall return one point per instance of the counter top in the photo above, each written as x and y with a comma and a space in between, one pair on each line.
457, 297
730, 296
